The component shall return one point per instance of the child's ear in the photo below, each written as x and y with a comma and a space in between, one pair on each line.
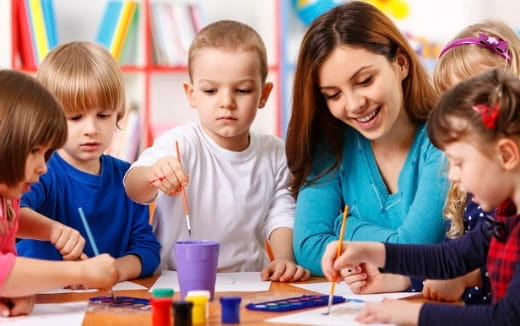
268, 87
508, 153
188, 89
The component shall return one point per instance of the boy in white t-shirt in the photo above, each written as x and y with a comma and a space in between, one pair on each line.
236, 181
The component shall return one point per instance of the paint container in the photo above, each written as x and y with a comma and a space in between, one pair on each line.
162, 307
230, 307
182, 313
201, 293
200, 308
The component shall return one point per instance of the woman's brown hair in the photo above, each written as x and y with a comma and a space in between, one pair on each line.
359, 25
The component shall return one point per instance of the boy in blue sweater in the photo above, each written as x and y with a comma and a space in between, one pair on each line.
88, 82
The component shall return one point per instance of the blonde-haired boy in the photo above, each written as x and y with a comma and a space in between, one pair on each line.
87, 81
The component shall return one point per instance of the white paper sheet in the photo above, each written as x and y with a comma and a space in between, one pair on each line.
226, 282
50, 314
343, 290
125, 285
340, 315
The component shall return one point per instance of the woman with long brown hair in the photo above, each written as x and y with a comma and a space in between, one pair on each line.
357, 136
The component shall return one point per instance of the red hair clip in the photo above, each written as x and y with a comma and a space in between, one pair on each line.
488, 114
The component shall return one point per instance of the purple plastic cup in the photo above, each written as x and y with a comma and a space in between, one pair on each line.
196, 262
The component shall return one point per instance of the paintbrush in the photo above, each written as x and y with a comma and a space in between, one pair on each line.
338, 253
93, 243
184, 199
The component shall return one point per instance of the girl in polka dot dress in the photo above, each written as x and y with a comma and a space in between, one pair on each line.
474, 50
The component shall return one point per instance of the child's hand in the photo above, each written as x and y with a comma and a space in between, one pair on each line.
366, 278
10, 307
352, 255
99, 272
68, 241
168, 176
390, 311
284, 270
443, 290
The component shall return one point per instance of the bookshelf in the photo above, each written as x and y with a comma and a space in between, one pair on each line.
156, 90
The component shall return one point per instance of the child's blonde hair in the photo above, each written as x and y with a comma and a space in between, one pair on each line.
84, 76
29, 116
464, 62
468, 60
228, 35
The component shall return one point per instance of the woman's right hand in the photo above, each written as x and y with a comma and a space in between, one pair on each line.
99, 272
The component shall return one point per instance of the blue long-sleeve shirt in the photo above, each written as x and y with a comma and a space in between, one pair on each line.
411, 215
120, 226
449, 260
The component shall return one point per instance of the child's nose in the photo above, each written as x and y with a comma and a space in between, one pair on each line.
42, 166
91, 126
226, 100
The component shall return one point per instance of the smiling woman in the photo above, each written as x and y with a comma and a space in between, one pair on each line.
357, 137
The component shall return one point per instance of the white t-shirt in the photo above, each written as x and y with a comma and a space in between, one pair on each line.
236, 198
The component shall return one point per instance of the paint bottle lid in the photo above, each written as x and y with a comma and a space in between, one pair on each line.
162, 293
199, 293
230, 306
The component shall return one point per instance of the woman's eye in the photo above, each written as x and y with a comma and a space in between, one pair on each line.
331, 96
366, 81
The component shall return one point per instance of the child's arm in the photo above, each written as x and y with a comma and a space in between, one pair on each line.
283, 268
143, 250
451, 290
67, 240
128, 267
29, 276
166, 175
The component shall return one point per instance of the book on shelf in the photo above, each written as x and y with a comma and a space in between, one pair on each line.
174, 26
36, 30
116, 24
39, 31
50, 22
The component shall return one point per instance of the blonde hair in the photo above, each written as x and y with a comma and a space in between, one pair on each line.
228, 35
464, 62
29, 116
83, 76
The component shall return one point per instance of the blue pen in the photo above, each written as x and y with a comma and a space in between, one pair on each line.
92, 242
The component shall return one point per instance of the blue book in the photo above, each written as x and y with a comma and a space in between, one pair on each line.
109, 21
50, 22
